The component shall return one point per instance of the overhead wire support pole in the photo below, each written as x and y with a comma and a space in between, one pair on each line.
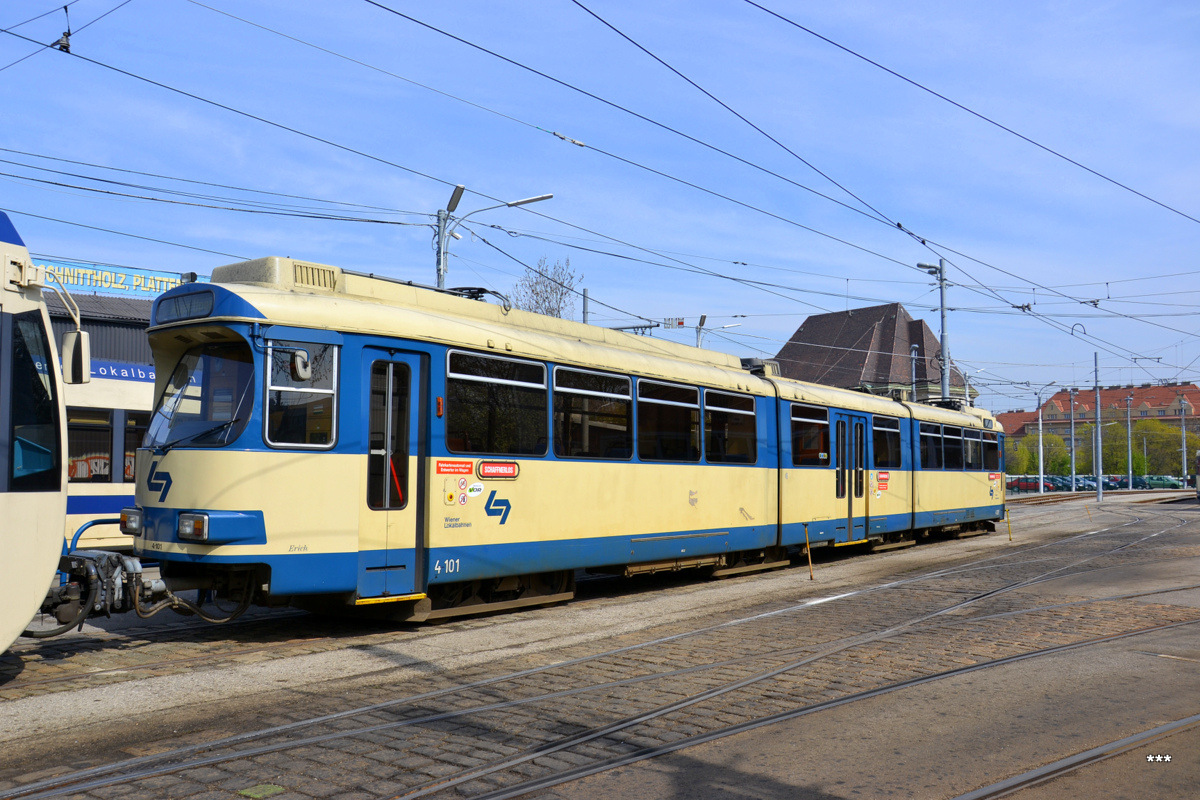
1129, 441
1072, 391
939, 272
1097, 439
1041, 469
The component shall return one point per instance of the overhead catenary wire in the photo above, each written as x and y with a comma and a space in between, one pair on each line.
551, 217
973, 113
1106, 345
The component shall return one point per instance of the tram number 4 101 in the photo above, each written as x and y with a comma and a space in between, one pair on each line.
448, 566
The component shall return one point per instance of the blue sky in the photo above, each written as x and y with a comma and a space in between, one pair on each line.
364, 113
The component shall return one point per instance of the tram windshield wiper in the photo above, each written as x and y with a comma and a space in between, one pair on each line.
163, 448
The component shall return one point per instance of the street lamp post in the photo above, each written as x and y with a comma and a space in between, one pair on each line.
1072, 392
1129, 440
1183, 407
939, 272
1098, 442
445, 230
912, 352
700, 328
1041, 471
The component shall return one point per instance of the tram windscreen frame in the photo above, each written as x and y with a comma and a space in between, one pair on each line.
208, 400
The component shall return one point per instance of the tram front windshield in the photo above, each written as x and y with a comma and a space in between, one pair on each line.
208, 400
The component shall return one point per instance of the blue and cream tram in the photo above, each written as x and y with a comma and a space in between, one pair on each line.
327, 437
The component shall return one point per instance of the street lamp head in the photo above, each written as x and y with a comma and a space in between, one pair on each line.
455, 196
529, 200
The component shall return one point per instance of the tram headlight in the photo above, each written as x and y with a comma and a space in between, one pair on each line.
131, 521
193, 527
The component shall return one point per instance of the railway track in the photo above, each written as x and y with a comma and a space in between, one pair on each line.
1052, 498
564, 720
104, 657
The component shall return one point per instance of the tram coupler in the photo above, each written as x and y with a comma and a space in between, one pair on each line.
101, 581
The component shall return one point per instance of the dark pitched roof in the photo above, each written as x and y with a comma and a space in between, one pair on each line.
863, 347
102, 307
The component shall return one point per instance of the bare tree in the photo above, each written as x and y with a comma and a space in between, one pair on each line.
547, 289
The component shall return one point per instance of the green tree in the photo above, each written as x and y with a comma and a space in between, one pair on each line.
1056, 456
1160, 442
1017, 458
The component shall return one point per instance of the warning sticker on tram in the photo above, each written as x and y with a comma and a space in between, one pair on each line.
454, 468
498, 470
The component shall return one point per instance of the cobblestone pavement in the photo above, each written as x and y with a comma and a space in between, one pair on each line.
484, 726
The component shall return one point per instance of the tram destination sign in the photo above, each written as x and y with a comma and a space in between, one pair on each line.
83, 277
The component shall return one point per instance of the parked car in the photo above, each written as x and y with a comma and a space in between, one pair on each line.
1028, 485
1163, 482
1138, 482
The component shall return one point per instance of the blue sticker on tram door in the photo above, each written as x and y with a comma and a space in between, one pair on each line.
497, 508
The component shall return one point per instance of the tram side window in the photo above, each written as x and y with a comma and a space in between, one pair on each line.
36, 457
973, 448
931, 446
810, 436
886, 441
668, 422
136, 423
89, 445
730, 431
496, 405
302, 394
952, 447
991, 451
593, 415
387, 436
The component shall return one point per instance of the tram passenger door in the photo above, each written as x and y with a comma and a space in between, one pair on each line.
850, 433
390, 530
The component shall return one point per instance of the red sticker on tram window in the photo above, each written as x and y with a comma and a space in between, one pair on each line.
454, 468
498, 470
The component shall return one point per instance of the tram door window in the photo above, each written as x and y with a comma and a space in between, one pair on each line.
136, 423
842, 457
860, 459
89, 445
387, 461
35, 457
